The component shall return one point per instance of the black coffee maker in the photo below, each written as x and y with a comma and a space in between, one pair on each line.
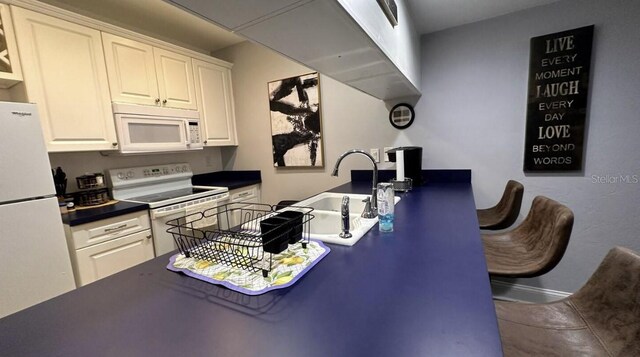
412, 162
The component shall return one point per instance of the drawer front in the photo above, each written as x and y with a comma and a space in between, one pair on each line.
107, 258
245, 194
97, 232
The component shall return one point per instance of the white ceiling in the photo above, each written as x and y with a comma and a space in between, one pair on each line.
155, 18
434, 15
162, 20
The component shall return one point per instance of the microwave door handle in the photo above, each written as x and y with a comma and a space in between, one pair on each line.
187, 133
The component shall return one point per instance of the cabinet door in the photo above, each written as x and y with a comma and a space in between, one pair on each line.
10, 72
245, 194
215, 99
131, 70
104, 259
65, 75
242, 214
175, 79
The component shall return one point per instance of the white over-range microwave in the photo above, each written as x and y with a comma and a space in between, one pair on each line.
146, 129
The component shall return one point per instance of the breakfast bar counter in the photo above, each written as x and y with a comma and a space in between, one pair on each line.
422, 290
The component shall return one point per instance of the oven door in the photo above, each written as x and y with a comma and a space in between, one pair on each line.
163, 241
138, 133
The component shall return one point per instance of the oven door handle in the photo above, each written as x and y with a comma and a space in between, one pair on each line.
210, 204
156, 214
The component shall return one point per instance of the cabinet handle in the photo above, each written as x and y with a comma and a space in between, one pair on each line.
205, 142
149, 236
115, 228
114, 144
244, 194
164, 101
157, 100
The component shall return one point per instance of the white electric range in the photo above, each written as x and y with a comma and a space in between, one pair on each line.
168, 191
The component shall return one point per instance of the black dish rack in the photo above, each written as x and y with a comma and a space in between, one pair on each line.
241, 235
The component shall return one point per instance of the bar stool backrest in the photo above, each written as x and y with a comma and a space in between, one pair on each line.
545, 232
610, 302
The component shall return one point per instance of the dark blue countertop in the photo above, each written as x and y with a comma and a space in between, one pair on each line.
78, 217
230, 179
422, 290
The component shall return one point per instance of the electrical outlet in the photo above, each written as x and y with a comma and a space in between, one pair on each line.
386, 156
375, 153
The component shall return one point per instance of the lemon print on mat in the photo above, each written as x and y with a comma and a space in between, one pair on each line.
203, 264
292, 261
283, 278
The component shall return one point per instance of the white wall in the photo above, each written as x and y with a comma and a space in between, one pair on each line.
350, 119
400, 43
78, 163
473, 110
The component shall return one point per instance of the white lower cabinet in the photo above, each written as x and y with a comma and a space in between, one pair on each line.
248, 196
102, 248
101, 260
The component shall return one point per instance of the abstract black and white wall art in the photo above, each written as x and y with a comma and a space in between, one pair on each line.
295, 121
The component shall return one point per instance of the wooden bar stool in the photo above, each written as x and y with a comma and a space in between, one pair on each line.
600, 319
535, 246
503, 214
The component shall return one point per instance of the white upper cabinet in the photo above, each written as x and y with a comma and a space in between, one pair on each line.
74, 72
175, 79
131, 70
142, 74
215, 98
65, 75
10, 72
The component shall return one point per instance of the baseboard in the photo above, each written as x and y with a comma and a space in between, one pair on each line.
517, 292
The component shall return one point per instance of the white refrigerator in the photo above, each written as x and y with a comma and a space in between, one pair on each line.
34, 259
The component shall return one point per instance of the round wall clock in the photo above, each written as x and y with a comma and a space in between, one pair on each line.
401, 116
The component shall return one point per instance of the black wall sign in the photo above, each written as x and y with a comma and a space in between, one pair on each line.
557, 102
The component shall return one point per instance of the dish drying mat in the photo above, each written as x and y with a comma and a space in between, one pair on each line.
288, 267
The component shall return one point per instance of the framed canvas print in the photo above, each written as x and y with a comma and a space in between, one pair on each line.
296, 137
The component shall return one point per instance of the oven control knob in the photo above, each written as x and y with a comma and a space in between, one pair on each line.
130, 174
184, 168
178, 169
165, 171
121, 175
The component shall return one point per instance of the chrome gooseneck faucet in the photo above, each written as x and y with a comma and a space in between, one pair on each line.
372, 212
